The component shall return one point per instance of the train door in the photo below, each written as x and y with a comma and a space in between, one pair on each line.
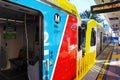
21, 37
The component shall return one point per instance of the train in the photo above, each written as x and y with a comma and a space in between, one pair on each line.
46, 40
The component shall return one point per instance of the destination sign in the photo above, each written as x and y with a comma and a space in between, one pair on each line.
107, 7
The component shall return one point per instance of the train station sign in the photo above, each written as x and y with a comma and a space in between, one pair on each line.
107, 7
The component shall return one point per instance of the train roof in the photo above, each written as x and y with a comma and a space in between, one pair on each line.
62, 4
85, 22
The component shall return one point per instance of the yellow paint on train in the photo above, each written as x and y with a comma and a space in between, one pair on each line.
85, 64
66, 5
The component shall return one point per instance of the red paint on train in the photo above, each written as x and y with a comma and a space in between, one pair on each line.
66, 64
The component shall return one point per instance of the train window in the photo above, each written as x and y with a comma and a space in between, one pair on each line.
79, 38
84, 28
93, 38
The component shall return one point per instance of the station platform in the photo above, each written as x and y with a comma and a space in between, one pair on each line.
107, 65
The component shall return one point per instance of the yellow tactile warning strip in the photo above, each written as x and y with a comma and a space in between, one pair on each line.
101, 74
116, 46
116, 56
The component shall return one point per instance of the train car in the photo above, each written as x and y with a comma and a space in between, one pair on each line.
94, 40
38, 40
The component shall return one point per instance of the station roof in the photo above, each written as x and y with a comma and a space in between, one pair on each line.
113, 17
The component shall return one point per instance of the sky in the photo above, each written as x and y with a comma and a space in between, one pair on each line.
83, 5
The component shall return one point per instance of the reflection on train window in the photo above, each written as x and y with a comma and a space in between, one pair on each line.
83, 39
79, 38
93, 38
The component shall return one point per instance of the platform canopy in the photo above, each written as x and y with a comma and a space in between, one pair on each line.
111, 10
